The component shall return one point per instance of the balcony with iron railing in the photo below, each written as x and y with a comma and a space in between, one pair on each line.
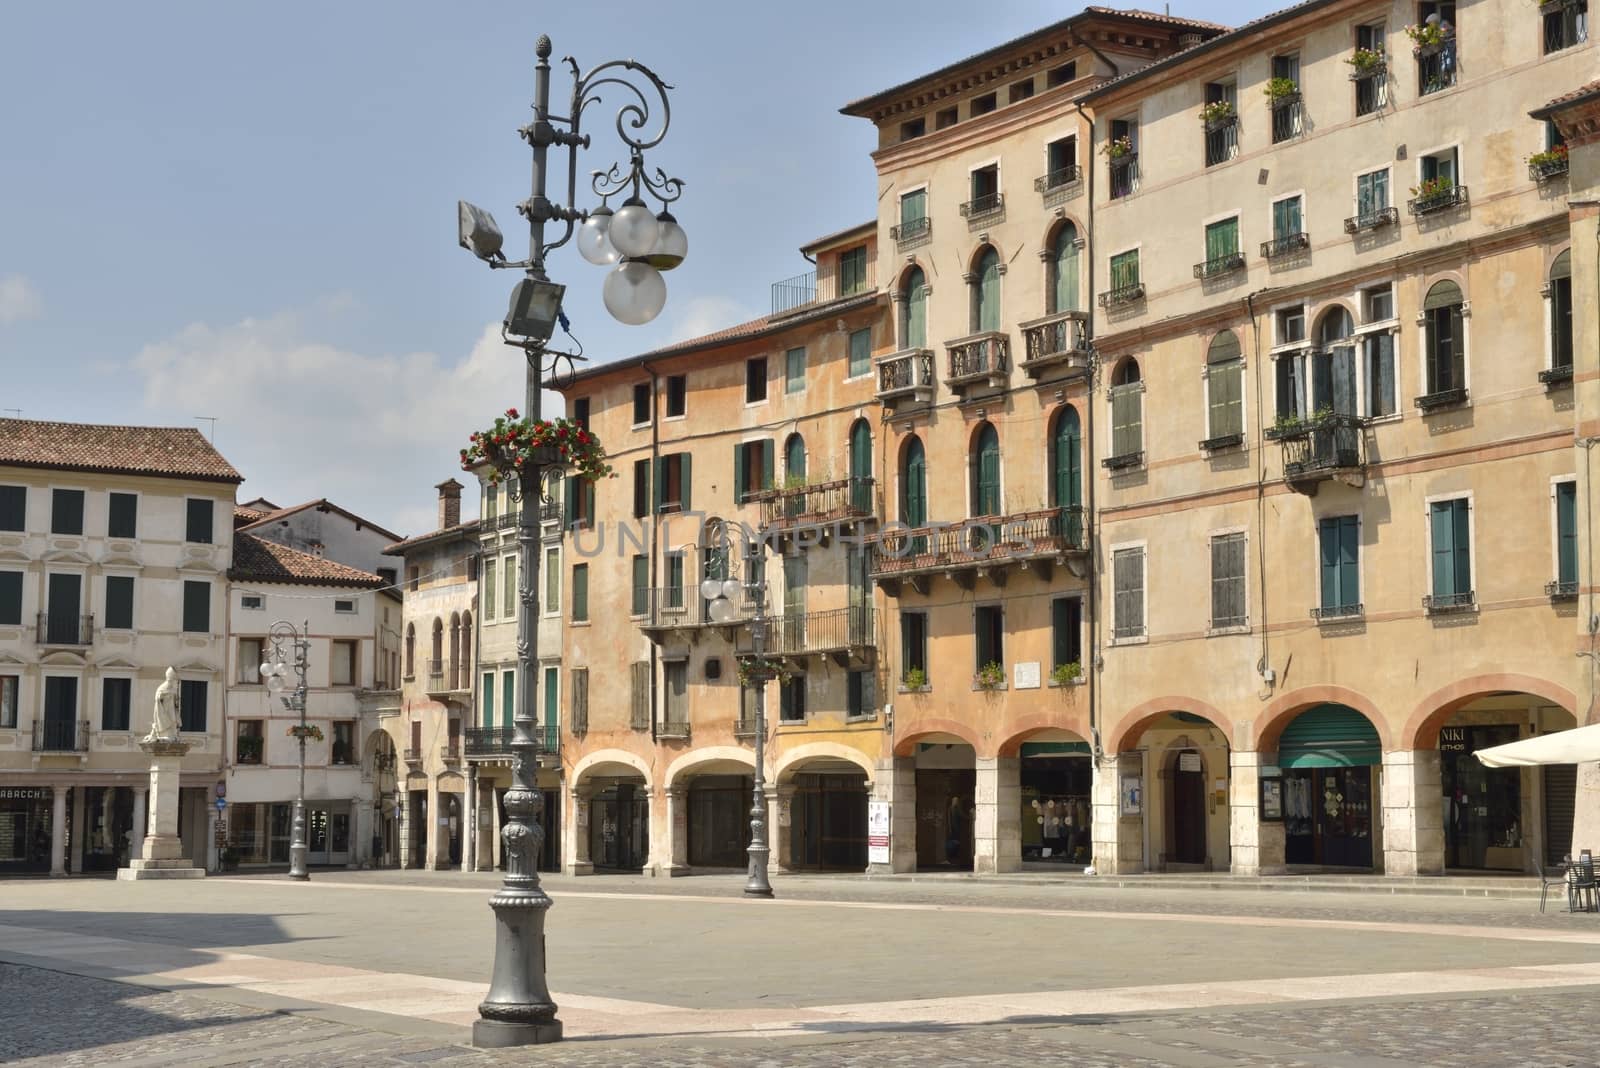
550, 512
1561, 589
1287, 118
1436, 200
1059, 340
840, 500
905, 376
65, 629
978, 359
987, 545
821, 287
1442, 399
1222, 140
1285, 245
663, 611
911, 232
984, 208
495, 742
1219, 266
1436, 66
1065, 179
60, 736
674, 723
1338, 613
1124, 174
450, 754
412, 756
1331, 446
1372, 219
1547, 170
1438, 604
848, 636
1117, 296
1556, 377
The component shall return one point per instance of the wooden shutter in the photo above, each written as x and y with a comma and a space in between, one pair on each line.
1567, 531
1222, 239
915, 513
988, 317
488, 699
639, 695
1064, 296
1227, 581
1328, 552
767, 467
1442, 528
1461, 530
684, 480
738, 473
579, 708
1128, 593
641, 488
916, 311
580, 593
1065, 461
1127, 436
1286, 217
508, 699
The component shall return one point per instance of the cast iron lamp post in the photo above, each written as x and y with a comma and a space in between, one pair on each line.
517, 1009
283, 634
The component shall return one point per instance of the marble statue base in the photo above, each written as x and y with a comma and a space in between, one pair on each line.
161, 854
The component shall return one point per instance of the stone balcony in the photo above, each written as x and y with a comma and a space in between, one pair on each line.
1059, 341
982, 359
905, 378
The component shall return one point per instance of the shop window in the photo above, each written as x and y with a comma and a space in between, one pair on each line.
755, 380
116, 704
1127, 608
988, 630
342, 664
343, 749
122, 515
196, 607
11, 598
1229, 609
677, 396
580, 593
641, 404
13, 507
792, 699
66, 511
9, 686
199, 521
193, 713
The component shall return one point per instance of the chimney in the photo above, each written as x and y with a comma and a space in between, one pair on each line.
449, 503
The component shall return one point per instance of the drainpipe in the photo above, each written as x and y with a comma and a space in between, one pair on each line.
1264, 667
1116, 71
1089, 451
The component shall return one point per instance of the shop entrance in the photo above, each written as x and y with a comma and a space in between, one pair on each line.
946, 781
1327, 754
25, 829
828, 822
1056, 779
108, 827
1187, 822
1482, 806
327, 834
619, 827
719, 820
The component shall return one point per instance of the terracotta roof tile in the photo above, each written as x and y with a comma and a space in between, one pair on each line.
243, 516
325, 505
163, 451
259, 560
465, 530
1583, 92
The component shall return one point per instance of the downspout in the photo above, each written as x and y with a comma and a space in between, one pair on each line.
1089, 435
655, 522
1116, 71
1264, 665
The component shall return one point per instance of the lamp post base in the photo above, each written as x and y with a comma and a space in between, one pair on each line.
498, 1034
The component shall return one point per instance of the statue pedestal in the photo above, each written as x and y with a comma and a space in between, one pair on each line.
161, 855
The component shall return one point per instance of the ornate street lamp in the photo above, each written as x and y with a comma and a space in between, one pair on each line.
640, 244
274, 671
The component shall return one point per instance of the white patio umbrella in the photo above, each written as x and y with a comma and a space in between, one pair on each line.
1577, 746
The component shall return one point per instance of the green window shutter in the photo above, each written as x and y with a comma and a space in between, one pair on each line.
1286, 217
1066, 461
508, 698
488, 699
569, 504
1328, 538
738, 473
916, 486
989, 292
916, 311
1222, 239
986, 489
767, 456
684, 479
1125, 270
1567, 531
794, 457
1349, 572
580, 593
1446, 571
551, 677
658, 482
1463, 546
1224, 390
1065, 289
641, 583
1127, 436
914, 206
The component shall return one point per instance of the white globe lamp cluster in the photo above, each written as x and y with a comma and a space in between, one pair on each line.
275, 676
721, 594
641, 245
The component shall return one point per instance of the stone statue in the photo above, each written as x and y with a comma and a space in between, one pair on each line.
164, 720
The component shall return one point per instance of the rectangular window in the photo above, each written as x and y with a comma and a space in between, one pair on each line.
639, 695
580, 412
508, 588
1372, 82
252, 602
488, 699
1338, 538
794, 373
913, 213
752, 468
1127, 575
345, 608
1127, 419
491, 502
1222, 243
1061, 75
11, 598
552, 699
489, 588
1225, 396
343, 749
1566, 25
508, 698
342, 664
988, 631
641, 585
861, 694
1446, 348
1452, 553
122, 515
853, 271
192, 710
580, 593
860, 353
119, 602
1222, 131
251, 652
792, 699
1377, 304
673, 562
1125, 270
1287, 222
675, 679
9, 685
1066, 631
66, 511
249, 743
1436, 63
945, 118
196, 607
13, 507
1567, 535
982, 105
1285, 106
672, 482
913, 128
985, 190
1377, 356
1227, 582
677, 396
755, 380
198, 522
552, 581
1061, 162
1019, 91
116, 704
1291, 325
641, 488
1441, 172
1372, 195
913, 644
641, 404
1289, 373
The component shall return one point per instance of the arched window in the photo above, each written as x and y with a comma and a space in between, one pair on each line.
1333, 365
794, 460
986, 471
914, 484
1062, 290
1444, 348
1560, 291
1066, 463
464, 667
914, 311
1127, 415
1224, 388
986, 292
411, 650
438, 644
860, 466
455, 643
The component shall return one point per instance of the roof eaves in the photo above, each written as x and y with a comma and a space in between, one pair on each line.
863, 229
1581, 95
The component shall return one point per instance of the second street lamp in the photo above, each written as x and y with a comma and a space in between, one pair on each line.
275, 671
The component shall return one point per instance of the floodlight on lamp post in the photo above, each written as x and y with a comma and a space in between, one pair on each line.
637, 244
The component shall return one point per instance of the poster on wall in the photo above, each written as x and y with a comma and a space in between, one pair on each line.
877, 832
1132, 795
1271, 799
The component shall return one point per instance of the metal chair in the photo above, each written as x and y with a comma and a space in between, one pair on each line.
1581, 885
1547, 880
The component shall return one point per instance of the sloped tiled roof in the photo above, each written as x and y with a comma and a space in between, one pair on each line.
1579, 95
243, 516
325, 505
162, 451
259, 560
469, 529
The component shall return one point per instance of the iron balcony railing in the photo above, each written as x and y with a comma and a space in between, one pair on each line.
450, 754
1222, 140
65, 629
911, 230
1059, 338
507, 520
1559, 590
1284, 245
1431, 203
1443, 398
672, 608
1435, 603
1331, 613
744, 726
792, 293
550, 512
412, 756
496, 741
827, 631
1372, 219
60, 736
979, 356
1556, 377
1123, 294
1286, 118
1058, 179
981, 207
1124, 175
1565, 24
981, 541
819, 502
1327, 445
908, 372
1547, 169
1371, 88
1436, 67
674, 724
1218, 266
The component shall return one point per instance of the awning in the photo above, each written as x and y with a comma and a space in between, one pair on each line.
1577, 746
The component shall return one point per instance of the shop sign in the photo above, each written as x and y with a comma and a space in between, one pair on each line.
1025, 676
877, 832
24, 793
1190, 761
1452, 740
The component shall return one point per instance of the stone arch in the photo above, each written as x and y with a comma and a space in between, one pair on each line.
1422, 728
601, 757
1138, 719
789, 763
708, 755
912, 733
1075, 721
1268, 726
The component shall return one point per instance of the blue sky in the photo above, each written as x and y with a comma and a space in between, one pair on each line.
248, 212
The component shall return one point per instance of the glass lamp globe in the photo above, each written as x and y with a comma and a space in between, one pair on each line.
635, 292
594, 238
633, 229
274, 683
672, 244
711, 589
731, 588
268, 670
722, 611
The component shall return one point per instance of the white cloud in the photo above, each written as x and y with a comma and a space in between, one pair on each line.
19, 299
303, 419
705, 315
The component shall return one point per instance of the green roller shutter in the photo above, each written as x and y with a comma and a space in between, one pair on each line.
1329, 736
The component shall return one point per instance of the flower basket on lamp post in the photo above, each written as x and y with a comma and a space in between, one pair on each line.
515, 444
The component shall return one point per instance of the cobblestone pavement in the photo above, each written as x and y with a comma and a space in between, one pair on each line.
52, 1018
